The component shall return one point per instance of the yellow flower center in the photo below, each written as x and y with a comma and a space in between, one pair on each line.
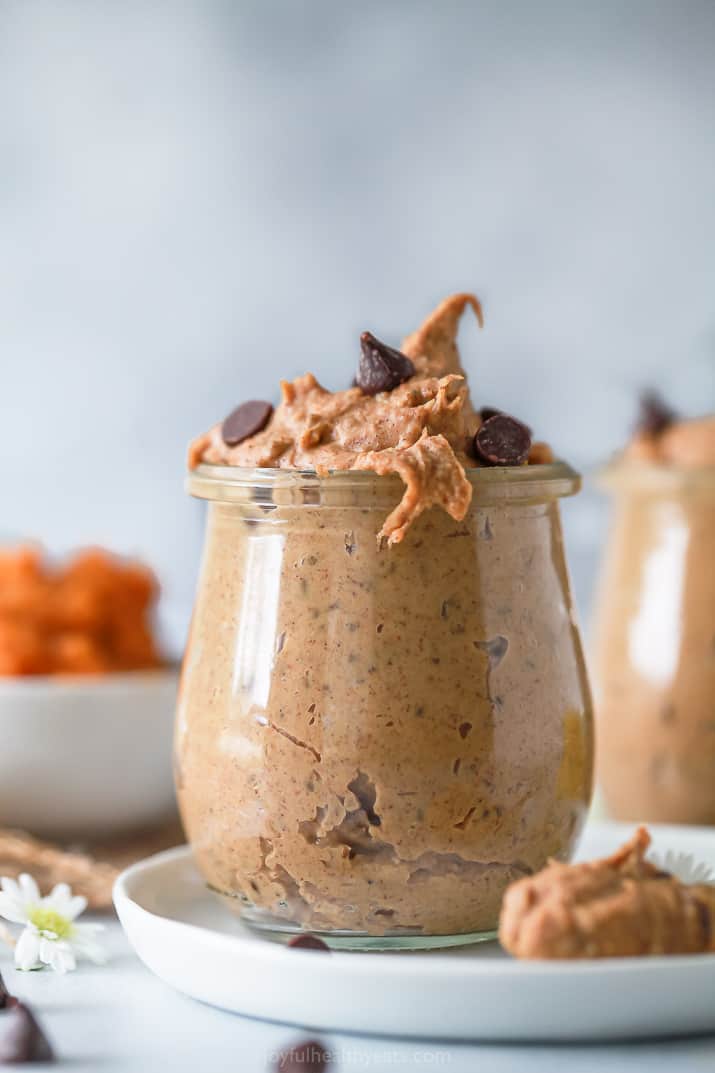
50, 920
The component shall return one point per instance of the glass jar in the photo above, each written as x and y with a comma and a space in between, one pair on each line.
373, 742
655, 646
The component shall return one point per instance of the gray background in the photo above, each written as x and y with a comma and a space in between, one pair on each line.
198, 198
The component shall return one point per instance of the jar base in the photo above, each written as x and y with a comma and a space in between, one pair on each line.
347, 940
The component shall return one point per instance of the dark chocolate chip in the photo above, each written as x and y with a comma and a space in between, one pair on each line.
381, 367
308, 1056
489, 411
21, 1038
655, 415
306, 941
246, 420
502, 441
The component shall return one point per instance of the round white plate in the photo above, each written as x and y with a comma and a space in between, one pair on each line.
187, 937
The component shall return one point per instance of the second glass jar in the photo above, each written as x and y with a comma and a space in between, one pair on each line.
655, 646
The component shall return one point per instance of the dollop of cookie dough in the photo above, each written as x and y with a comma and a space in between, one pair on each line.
662, 437
422, 430
622, 906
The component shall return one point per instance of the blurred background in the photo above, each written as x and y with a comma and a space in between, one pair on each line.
197, 198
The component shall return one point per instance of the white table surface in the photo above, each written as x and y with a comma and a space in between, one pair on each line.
120, 1017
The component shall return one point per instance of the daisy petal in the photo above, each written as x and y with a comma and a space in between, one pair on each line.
84, 944
12, 909
92, 928
30, 890
27, 950
58, 898
11, 887
58, 955
75, 906
44, 952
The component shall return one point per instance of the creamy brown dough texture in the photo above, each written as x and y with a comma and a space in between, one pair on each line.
420, 430
621, 906
684, 443
379, 739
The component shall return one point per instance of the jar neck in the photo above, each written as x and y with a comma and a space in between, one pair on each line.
655, 481
285, 487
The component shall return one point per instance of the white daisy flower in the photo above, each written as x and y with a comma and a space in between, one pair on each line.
683, 866
51, 935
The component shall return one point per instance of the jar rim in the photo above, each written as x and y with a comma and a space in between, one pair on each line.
631, 475
227, 483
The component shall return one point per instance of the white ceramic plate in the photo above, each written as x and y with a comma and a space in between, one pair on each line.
188, 938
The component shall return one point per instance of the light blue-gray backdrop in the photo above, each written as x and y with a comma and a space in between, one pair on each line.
199, 197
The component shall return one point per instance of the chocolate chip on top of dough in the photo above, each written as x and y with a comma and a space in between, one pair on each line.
245, 421
381, 367
502, 441
655, 414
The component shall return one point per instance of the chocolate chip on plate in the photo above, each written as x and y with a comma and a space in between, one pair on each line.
381, 367
246, 420
489, 411
308, 1056
306, 941
655, 415
21, 1038
502, 441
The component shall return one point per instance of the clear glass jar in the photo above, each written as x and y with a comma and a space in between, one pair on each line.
373, 742
654, 650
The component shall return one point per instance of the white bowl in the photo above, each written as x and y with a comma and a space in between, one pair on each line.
87, 757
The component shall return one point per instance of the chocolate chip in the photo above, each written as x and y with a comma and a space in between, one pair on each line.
4, 994
489, 411
502, 441
306, 941
246, 420
655, 415
308, 1056
21, 1038
381, 367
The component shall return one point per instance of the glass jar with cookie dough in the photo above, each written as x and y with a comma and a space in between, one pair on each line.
654, 657
384, 716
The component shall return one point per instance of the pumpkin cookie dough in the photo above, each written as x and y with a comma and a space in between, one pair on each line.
664, 438
376, 736
409, 413
622, 906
